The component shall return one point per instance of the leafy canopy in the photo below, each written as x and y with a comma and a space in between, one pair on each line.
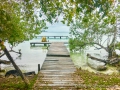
91, 30
90, 19
71, 9
19, 21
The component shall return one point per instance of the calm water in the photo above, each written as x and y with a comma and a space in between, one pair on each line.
32, 56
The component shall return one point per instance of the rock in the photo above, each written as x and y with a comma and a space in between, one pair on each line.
97, 67
117, 51
15, 73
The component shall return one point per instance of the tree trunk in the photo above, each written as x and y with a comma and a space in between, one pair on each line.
15, 66
111, 47
111, 52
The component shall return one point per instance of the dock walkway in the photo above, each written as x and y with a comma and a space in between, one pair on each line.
38, 43
57, 69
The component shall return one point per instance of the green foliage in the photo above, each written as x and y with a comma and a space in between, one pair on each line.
72, 9
19, 21
91, 29
117, 45
76, 44
2, 47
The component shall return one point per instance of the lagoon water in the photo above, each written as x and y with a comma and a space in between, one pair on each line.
32, 56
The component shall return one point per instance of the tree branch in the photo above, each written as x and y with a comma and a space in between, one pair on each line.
94, 58
16, 52
4, 62
101, 46
2, 55
110, 61
11, 51
98, 45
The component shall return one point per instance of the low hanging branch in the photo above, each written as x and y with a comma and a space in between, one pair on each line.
2, 55
19, 52
101, 46
94, 58
111, 61
4, 62
11, 50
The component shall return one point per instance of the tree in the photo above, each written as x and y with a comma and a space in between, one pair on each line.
71, 9
14, 64
90, 31
90, 20
95, 17
19, 22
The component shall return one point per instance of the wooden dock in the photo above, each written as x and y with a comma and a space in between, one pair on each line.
42, 43
54, 37
57, 69
38, 43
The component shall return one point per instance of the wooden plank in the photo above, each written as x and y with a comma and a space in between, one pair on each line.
40, 42
57, 69
59, 85
58, 49
34, 43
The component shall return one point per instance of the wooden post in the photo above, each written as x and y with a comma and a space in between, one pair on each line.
38, 68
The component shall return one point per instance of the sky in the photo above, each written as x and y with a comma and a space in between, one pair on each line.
58, 27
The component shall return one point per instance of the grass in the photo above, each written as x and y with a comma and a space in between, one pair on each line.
85, 81
16, 83
96, 81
